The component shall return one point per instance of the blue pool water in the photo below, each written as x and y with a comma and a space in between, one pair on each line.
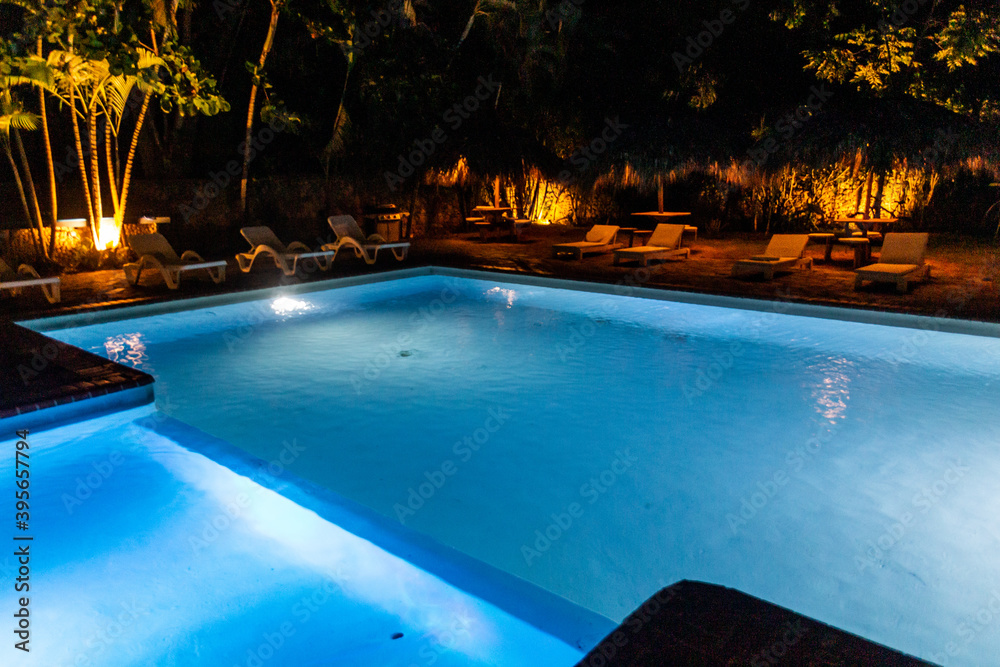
147, 552
601, 446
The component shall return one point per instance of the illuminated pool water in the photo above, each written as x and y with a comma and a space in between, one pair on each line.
147, 552
602, 446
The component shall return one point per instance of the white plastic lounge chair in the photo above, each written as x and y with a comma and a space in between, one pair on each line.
600, 238
349, 234
263, 241
155, 252
26, 276
901, 261
664, 243
784, 252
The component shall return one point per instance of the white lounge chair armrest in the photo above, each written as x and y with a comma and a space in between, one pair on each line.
376, 238
27, 270
298, 246
191, 256
265, 249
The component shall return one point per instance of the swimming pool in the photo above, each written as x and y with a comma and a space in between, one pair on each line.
602, 446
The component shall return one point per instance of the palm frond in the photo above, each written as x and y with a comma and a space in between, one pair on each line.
18, 120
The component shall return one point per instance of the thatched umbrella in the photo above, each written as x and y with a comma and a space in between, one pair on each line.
655, 146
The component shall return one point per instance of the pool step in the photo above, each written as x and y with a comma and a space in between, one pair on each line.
45, 382
694, 623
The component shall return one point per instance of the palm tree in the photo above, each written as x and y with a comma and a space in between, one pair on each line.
257, 73
94, 95
13, 119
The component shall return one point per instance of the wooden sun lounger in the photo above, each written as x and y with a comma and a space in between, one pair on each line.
665, 243
600, 238
901, 261
783, 253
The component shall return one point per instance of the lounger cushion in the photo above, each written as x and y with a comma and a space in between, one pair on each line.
889, 269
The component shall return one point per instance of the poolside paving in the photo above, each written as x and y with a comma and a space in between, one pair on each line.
964, 276
694, 623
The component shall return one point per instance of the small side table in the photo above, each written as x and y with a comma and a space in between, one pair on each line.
862, 249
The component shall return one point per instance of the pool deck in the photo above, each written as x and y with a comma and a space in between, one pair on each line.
964, 279
38, 372
693, 623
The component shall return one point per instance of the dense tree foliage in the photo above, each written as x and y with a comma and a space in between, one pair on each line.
380, 92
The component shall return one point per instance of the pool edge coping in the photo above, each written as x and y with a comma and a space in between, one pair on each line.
777, 306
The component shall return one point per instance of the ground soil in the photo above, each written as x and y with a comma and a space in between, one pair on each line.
963, 284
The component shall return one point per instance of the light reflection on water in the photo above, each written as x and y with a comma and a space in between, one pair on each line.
833, 394
286, 306
508, 294
128, 349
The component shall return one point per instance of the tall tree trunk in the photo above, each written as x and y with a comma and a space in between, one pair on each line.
413, 211
130, 158
78, 141
95, 161
24, 198
112, 177
868, 193
268, 43
879, 188
31, 191
50, 163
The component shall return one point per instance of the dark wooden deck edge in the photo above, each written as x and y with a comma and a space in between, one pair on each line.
694, 623
38, 372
